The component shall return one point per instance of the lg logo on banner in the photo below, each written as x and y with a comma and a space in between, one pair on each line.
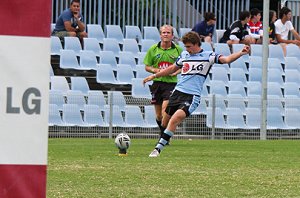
32, 106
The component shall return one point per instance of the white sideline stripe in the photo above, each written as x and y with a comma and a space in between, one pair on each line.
24, 63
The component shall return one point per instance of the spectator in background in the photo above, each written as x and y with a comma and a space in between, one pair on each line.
70, 23
282, 27
161, 56
272, 19
237, 32
205, 28
255, 26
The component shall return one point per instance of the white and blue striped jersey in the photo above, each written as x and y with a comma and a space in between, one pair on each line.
195, 68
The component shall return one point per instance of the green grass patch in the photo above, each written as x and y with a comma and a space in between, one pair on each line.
90, 168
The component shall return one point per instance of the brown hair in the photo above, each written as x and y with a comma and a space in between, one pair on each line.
191, 37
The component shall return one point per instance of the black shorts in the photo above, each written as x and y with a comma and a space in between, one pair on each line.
161, 91
187, 102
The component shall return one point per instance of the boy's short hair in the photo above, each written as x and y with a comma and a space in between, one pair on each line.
209, 16
191, 37
254, 12
75, 1
244, 15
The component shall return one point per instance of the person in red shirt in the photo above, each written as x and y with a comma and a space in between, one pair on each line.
255, 26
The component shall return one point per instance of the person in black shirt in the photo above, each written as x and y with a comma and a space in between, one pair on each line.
237, 32
272, 19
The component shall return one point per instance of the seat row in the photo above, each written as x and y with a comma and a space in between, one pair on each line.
92, 116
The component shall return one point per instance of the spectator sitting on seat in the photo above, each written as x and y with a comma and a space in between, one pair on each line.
272, 19
282, 27
70, 23
206, 28
255, 27
237, 32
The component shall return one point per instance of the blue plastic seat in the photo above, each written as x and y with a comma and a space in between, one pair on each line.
291, 118
292, 63
235, 118
255, 62
275, 90
80, 84
68, 60
133, 32
124, 74
219, 118
141, 72
151, 32
92, 45
292, 75
138, 90
56, 97
218, 88
146, 44
275, 75
236, 101
206, 46
239, 63
222, 48
96, 97
127, 58
93, 116
291, 90
59, 83
105, 75
292, 50
201, 109
54, 116
76, 97
275, 119
73, 43
183, 31
237, 88
72, 115
130, 45
116, 119
274, 63
108, 57
255, 74
238, 74
114, 32
275, 51
134, 117
150, 119
218, 35
111, 44
118, 99
55, 45
239, 47
253, 89
256, 50
253, 118
220, 74
88, 60
95, 31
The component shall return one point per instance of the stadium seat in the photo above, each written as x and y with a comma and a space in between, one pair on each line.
237, 74
218, 35
130, 45
291, 118
239, 47
51, 72
274, 63
275, 75
92, 45
222, 48
292, 103
150, 116
93, 116
133, 32
116, 119
225, 66
236, 101
134, 117
138, 90
151, 32
218, 88
220, 74
292, 63
253, 89
54, 116
274, 89
55, 45
72, 115
183, 31
108, 57
56, 97
68, 60
239, 63
111, 44
96, 97
146, 44
275, 102
118, 99
141, 72
76, 97
127, 58
235, 118
256, 50
206, 46
275, 119
95, 31
73, 43
219, 118
291, 90
292, 75
219, 102
105, 75
59, 83
292, 50
88, 60
254, 102
255, 62
80, 84
201, 109
275, 51
237, 88
124, 74
253, 118
175, 34
114, 32
255, 74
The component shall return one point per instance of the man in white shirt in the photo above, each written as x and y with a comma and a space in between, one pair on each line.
282, 27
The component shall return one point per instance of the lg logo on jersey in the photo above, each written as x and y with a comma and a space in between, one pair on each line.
31, 102
198, 67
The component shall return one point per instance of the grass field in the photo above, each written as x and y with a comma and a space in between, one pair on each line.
90, 168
